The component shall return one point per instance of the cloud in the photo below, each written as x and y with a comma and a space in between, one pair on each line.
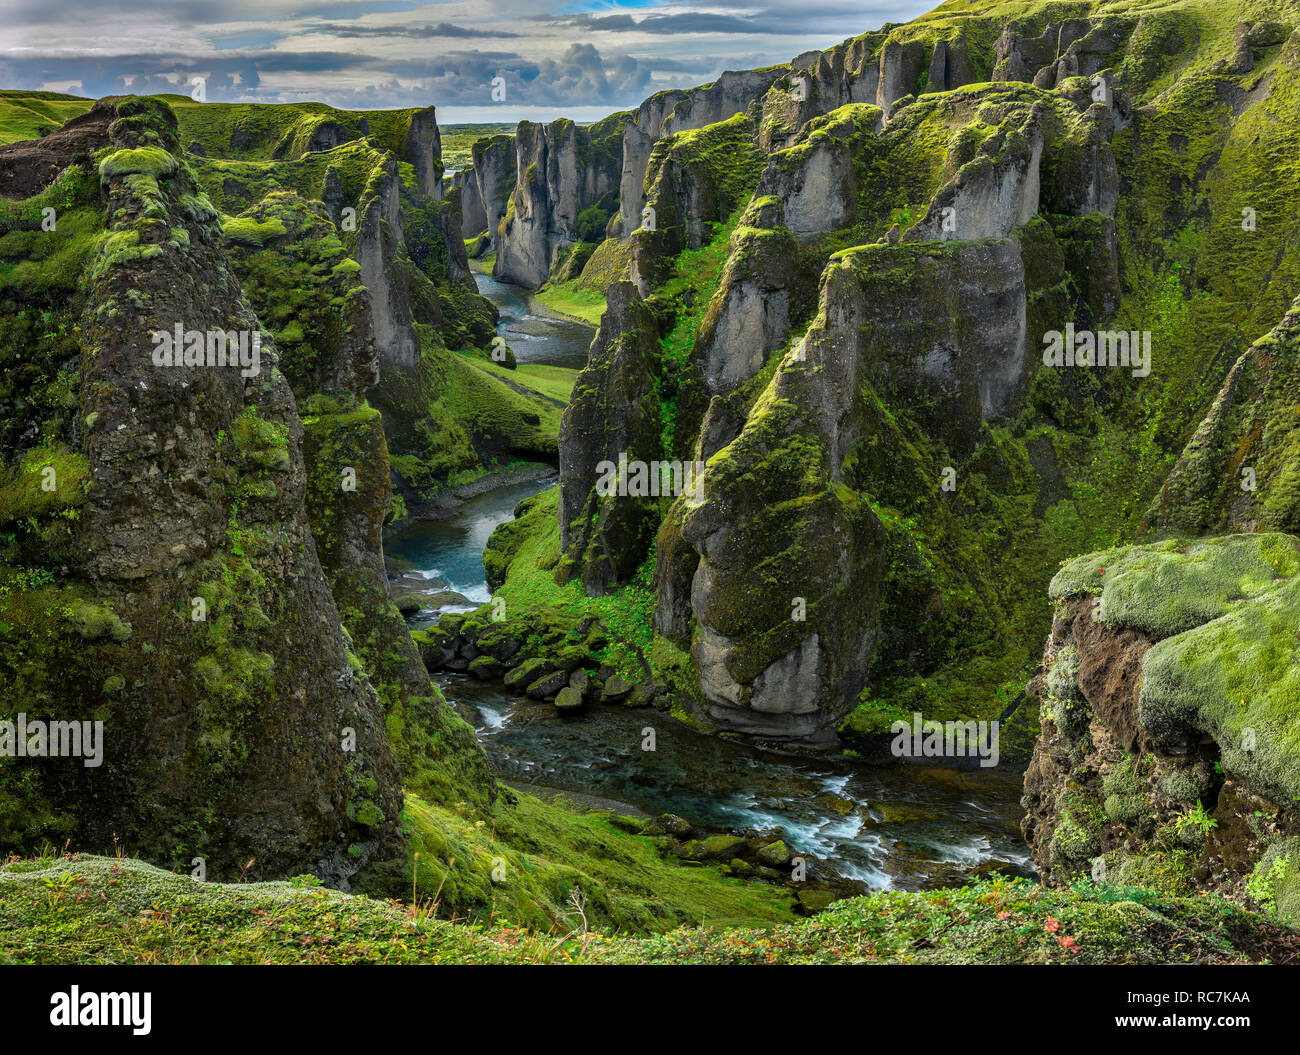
582, 76
418, 31
383, 53
750, 19
660, 25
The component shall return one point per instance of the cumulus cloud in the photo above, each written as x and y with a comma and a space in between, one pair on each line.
382, 53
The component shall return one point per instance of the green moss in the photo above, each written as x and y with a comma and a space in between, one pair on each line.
249, 231
96, 621
1124, 801
149, 161
1170, 874
1069, 709
1235, 678
1275, 882
521, 863
1173, 586
1182, 786
48, 482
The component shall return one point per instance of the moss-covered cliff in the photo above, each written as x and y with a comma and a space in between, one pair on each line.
911, 214
159, 570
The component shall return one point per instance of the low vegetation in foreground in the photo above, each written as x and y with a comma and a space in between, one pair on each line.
104, 910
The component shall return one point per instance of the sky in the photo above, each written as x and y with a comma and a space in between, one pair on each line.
549, 58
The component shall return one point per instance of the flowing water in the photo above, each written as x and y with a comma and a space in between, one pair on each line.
450, 551
878, 825
534, 334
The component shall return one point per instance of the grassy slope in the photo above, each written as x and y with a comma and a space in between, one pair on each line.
568, 298
459, 403
458, 142
30, 115
279, 130
105, 910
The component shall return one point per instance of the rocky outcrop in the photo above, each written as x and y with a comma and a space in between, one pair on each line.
786, 590
950, 65
991, 195
30, 165
695, 180
200, 627
614, 418
1240, 471
952, 341
328, 344
561, 172
996, 182
473, 213
493, 177
379, 246
750, 314
679, 111
955, 231
816, 179
523, 237
945, 323
1072, 48
900, 69
328, 354
423, 149
1166, 757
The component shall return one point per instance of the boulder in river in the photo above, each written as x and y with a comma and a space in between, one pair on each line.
527, 672
569, 700
616, 689
547, 685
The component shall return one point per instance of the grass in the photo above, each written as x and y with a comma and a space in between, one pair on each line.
996, 921
521, 864
476, 393
460, 413
532, 596
458, 142
568, 299
30, 115
104, 910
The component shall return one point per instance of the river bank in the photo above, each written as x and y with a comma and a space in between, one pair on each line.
865, 824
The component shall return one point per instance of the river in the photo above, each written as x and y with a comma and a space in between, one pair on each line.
878, 825
534, 334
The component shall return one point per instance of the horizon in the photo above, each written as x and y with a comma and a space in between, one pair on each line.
583, 61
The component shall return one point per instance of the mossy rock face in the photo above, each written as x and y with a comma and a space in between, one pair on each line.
614, 419
307, 290
1069, 708
201, 642
529, 671
1186, 650
1175, 586
1222, 610
712, 848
